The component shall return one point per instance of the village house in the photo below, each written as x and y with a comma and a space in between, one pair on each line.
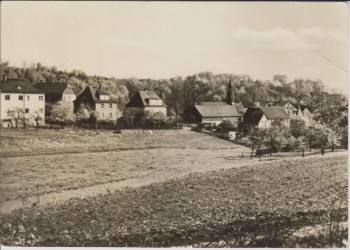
213, 113
295, 111
287, 106
100, 101
21, 101
264, 117
56, 91
144, 101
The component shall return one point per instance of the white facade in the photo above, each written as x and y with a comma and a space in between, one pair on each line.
267, 123
31, 104
107, 111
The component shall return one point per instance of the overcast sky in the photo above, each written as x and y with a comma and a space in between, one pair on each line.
165, 39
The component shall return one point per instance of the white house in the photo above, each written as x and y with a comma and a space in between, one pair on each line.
263, 117
146, 101
98, 100
21, 101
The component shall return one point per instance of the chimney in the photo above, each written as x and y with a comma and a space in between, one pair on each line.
163, 96
4, 78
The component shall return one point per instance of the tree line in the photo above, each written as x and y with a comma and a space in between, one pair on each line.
180, 92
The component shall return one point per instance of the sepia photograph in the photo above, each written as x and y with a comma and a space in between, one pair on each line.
157, 124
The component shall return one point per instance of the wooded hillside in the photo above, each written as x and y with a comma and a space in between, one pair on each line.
180, 92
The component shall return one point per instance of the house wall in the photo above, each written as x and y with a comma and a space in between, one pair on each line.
69, 95
289, 109
218, 120
156, 109
30, 102
267, 123
107, 111
264, 122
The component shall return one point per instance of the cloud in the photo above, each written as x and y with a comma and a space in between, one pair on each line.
284, 39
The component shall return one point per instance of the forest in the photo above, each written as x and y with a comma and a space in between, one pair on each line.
180, 92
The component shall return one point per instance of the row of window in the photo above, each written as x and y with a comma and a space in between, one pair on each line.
20, 97
103, 105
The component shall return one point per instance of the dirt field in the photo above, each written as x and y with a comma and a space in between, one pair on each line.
77, 163
257, 206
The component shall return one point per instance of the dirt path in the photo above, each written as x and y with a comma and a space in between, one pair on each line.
177, 170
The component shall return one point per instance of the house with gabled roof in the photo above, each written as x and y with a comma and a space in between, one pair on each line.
264, 117
213, 113
98, 100
287, 106
56, 91
144, 101
21, 99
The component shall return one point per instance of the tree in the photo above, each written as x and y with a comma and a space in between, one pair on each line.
16, 114
37, 118
96, 116
256, 136
62, 112
279, 79
83, 114
158, 117
328, 112
176, 98
273, 138
301, 144
325, 136
344, 137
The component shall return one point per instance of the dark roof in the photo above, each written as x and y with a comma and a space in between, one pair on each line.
216, 109
96, 92
254, 115
52, 87
18, 86
141, 99
274, 112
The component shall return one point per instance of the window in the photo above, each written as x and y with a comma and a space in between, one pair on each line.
110, 105
110, 115
28, 97
102, 115
41, 98
27, 111
20, 97
7, 97
102, 105
41, 110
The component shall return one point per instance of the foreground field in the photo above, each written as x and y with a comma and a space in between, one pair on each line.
259, 205
135, 156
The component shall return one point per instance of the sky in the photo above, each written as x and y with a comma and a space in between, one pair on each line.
167, 39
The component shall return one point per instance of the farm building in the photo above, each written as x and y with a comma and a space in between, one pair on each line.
144, 101
100, 101
56, 91
213, 113
263, 117
21, 103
